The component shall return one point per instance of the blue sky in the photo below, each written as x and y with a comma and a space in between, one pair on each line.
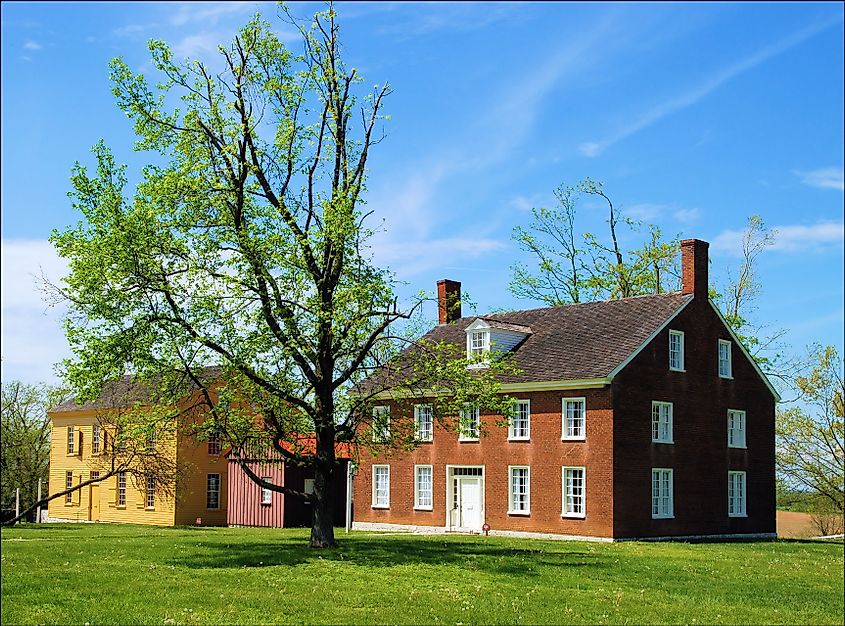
693, 115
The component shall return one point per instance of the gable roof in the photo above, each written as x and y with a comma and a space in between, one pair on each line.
577, 341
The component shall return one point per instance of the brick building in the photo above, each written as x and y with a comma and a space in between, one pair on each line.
638, 418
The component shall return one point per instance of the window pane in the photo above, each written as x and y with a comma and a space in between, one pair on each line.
424, 487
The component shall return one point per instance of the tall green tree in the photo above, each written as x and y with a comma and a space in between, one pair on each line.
811, 433
25, 441
569, 266
245, 247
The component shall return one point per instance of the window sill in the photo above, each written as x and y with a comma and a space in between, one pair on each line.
573, 515
573, 439
520, 439
662, 517
69, 504
680, 371
120, 506
520, 513
730, 447
468, 440
424, 440
212, 509
380, 506
734, 515
726, 377
478, 366
422, 508
150, 508
661, 441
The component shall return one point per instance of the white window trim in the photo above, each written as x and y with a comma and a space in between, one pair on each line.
744, 494
744, 429
527, 437
417, 408
678, 333
671, 514
149, 494
462, 437
671, 406
373, 501
381, 436
417, 505
71, 440
730, 374
485, 350
120, 491
563, 512
511, 510
69, 485
563, 435
218, 491
266, 494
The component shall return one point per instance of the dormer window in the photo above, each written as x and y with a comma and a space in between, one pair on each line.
484, 335
479, 343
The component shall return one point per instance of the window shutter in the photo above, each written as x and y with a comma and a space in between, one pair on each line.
78, 449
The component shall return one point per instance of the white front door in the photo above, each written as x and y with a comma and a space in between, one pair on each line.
469, 489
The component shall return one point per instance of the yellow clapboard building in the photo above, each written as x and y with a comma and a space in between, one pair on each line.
84, 446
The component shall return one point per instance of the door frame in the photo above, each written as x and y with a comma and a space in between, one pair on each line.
450, 485
91, 499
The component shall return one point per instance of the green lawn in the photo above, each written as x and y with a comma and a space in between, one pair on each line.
109, 574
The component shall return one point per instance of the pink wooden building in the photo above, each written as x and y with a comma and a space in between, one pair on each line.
250, 505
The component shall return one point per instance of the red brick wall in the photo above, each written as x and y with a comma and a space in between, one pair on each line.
545, 454
699, 455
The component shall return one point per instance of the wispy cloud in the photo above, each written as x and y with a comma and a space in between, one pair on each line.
788, 238
32, 339
209, 12
824, 178
648, 211
29, 44
689, 98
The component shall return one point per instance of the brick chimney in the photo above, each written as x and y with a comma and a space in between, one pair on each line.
694, 268
448, 300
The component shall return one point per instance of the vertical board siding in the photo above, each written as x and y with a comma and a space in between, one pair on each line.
244, 496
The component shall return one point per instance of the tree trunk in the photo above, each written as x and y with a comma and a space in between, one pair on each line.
322, 524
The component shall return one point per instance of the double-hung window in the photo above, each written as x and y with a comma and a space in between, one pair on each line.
69, 485
519, 492
736, 429
212, 494
519, 428
574, 418
662, 498
381, 486
214, 444
574, 493
151, 491
424, 422
736, 494
422, 487
95, 439
71, 440
381, 424
725, 362
267, 494
676, 350
151, 440
661, 422
121, 489
479, 343
470, 424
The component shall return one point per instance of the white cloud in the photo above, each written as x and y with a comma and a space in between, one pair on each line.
788, 238
195, 46
32, 45
824, 178
209, 12
644, 211
32, 337
687, 216
689, 98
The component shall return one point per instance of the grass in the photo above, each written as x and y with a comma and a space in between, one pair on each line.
110, 574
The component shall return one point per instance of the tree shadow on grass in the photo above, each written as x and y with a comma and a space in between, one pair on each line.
377, 551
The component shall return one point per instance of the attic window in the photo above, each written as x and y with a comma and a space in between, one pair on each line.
479, 343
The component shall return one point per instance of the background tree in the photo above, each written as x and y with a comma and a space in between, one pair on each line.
574, 267
245, 248
811, 434
25, 441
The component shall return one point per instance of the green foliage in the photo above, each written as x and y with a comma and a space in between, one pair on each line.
25, 440
115, 574
811, 433
572, 267
244, 248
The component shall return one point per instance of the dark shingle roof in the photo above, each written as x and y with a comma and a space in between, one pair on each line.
127, 391
576, 341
